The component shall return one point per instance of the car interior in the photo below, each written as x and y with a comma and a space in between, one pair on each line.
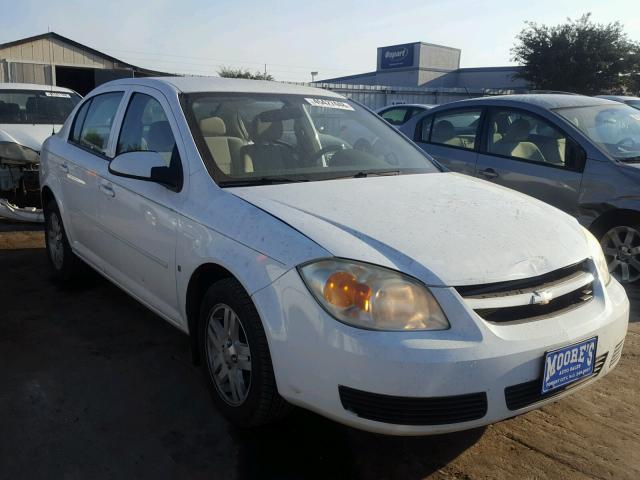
523, 136
243, 139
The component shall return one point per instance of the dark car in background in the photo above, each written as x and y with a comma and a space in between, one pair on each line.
580, 154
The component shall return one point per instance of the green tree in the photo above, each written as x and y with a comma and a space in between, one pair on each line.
578, 56
230, 72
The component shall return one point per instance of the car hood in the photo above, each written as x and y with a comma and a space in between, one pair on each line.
443, 228
27, 135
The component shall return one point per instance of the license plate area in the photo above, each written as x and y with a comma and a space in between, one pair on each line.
569, 364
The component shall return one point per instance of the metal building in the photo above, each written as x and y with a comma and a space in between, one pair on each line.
51, 59
425, 65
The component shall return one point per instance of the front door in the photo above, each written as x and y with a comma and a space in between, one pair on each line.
529, 154
140, 217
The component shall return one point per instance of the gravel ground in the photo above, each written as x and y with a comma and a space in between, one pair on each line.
93, 385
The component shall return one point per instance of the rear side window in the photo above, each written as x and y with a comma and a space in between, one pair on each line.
78, 121
395, 116
456, 129
92, 125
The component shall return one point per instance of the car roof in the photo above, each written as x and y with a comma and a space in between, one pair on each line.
545, 100
417, 105
619, 98
34, 86
224, 85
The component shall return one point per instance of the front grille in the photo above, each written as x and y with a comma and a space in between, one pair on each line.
413, 410
530, 312
528, 393
532, 298
617, 353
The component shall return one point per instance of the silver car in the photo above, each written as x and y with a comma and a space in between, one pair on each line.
580, 154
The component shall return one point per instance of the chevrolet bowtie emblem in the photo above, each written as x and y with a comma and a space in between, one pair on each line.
541, 297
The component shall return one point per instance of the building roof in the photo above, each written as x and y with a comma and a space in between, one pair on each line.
34, 86
224, 85
73, 43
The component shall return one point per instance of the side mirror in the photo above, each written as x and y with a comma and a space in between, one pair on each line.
146, 166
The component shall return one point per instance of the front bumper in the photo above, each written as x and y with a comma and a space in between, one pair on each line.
314, 355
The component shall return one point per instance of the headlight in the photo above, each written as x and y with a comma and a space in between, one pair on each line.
595, 249
371, 297
15, 152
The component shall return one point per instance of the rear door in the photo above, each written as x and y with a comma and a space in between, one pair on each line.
451, 137
83, 157
528, 153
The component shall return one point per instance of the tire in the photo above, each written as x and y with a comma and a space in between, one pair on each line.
65, 265
621, 247
236, 361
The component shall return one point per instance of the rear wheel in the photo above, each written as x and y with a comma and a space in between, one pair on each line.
237, 362
66, 266
621, 247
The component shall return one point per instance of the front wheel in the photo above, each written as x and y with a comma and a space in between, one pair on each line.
621, 247
237, 362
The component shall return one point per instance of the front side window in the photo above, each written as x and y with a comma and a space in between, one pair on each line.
36, 106
521, 135
94, 129
146, 128
456, 129
395, 116
264, 137
615, 128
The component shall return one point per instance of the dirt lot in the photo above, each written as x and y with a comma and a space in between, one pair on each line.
92, 385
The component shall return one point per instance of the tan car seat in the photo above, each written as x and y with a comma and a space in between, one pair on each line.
515, 143
224, 149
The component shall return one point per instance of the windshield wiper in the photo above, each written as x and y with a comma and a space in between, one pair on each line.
245, 182
380, 173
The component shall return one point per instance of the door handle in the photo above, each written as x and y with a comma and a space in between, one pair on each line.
64, 167
489, 173
107, 189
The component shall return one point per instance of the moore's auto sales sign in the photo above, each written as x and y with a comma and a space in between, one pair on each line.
397, 56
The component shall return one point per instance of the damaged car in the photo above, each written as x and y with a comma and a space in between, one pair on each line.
28, 115
364, 283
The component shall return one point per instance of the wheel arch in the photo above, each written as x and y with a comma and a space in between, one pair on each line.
201, 279
613, 218
46, 195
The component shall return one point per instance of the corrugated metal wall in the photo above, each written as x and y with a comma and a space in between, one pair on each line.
47, 51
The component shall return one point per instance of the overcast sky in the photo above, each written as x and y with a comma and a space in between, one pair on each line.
294, 37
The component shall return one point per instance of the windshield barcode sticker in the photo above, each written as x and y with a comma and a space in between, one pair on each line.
326, 103
57, 94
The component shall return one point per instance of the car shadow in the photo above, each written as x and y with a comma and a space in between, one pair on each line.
308, 446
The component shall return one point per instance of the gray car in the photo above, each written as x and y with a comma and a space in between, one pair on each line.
631, 101
580, 154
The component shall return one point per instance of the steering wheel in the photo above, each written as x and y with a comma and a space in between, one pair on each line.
323, 151
626, 142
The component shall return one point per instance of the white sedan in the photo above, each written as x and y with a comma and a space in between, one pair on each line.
352, 278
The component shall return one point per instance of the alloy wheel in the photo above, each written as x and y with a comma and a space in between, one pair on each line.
621, 247
55, 240
228, 355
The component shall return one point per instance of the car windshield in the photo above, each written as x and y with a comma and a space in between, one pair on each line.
257, 138
615, 128
36, 107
